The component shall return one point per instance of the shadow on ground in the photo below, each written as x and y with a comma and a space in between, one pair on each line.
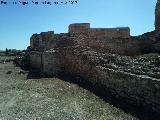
139, 111
34, 74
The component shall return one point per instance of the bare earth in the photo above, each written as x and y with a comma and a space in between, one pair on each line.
50, 99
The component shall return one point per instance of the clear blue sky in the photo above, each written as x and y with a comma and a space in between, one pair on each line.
18, 23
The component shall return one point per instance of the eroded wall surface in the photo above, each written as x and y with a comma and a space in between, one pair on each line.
110, 40
36, 60
91, 65
51, 63
85, 52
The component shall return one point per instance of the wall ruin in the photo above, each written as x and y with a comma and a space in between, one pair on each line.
78, 28
82, 50
102, 33
136, 89
111, 40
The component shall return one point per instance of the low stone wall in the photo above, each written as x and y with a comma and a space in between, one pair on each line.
137, 89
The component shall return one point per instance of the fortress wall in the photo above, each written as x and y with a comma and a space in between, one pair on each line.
124, 46
143, 43
35, 41
78, 27
135, 89
51, 63
46, 41
35, 60
121, 45
116, 45
109, 33
40, 41
123, 32
113, 40
46, 62
47, 35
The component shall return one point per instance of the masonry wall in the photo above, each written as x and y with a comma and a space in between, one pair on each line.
51, 63
42, 40
111, 40
78, 27
35, 60
35, 41
47, 62
135, 89
124, 46
116, 45
46, 41
103, 33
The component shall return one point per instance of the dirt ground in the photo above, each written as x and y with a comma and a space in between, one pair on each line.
49, 99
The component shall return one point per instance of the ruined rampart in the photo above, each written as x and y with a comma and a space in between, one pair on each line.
111, 40
102, 33
98, 68
96, 55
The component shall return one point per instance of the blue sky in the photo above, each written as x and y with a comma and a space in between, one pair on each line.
18, 22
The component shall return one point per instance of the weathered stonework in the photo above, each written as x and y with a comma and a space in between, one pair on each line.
111, 40
78, 28
41, 41
97, 55
102, 69
36, 60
